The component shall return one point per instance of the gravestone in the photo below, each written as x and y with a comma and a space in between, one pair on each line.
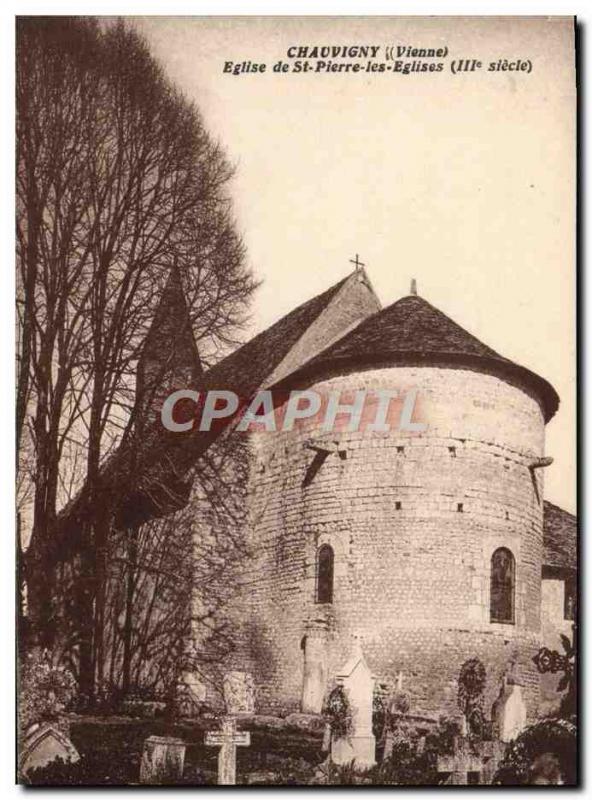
314, 683
227, 739
358, 683
492, 753
509, 712
239, 692
389, 741
44, 744
463, 766
163, 759
326, 743
191, 694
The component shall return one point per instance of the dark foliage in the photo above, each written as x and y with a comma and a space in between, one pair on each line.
408, 765
337, 712
554, 737
471, 684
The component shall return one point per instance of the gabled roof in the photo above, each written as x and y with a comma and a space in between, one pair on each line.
412, 331
252, 365
249, 365
283, 348
560, 538
161, 483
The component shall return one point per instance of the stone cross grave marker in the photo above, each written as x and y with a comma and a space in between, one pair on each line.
228, 739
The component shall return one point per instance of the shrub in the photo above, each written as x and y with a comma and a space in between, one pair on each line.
337, 712
93, 769
554, 738
408, 765
146, 709
44, 690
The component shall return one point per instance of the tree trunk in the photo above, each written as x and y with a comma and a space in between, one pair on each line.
99, 526
132, 556
85, 610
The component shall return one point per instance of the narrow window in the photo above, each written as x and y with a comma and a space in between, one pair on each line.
325, 560
503, 571
569, 599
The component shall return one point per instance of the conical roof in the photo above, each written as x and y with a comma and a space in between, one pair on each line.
412, 331
170, 343
169, 358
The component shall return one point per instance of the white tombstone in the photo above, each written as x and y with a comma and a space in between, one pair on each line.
44, 744
239, 692
510, 713
360, 744
314, 683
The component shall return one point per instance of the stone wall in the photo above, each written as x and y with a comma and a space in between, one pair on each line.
552, 612
413, 520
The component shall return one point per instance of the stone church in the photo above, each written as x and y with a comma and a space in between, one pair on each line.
426, 548
423, 549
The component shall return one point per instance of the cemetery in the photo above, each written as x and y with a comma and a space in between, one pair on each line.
366, 734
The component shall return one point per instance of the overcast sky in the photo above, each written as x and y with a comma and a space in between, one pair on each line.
464, 182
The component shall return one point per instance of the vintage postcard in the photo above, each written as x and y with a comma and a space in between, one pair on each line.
296, 401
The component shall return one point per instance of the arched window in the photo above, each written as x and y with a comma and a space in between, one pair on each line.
503, 581
325, 560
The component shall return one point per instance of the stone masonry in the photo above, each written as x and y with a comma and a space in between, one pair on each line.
413, 520
413, 517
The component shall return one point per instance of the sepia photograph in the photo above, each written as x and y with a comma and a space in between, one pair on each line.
296, 401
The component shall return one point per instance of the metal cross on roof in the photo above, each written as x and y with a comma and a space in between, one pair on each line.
356, 261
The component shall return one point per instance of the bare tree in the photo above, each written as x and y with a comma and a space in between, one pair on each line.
117, 181
168, 581
53, 100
